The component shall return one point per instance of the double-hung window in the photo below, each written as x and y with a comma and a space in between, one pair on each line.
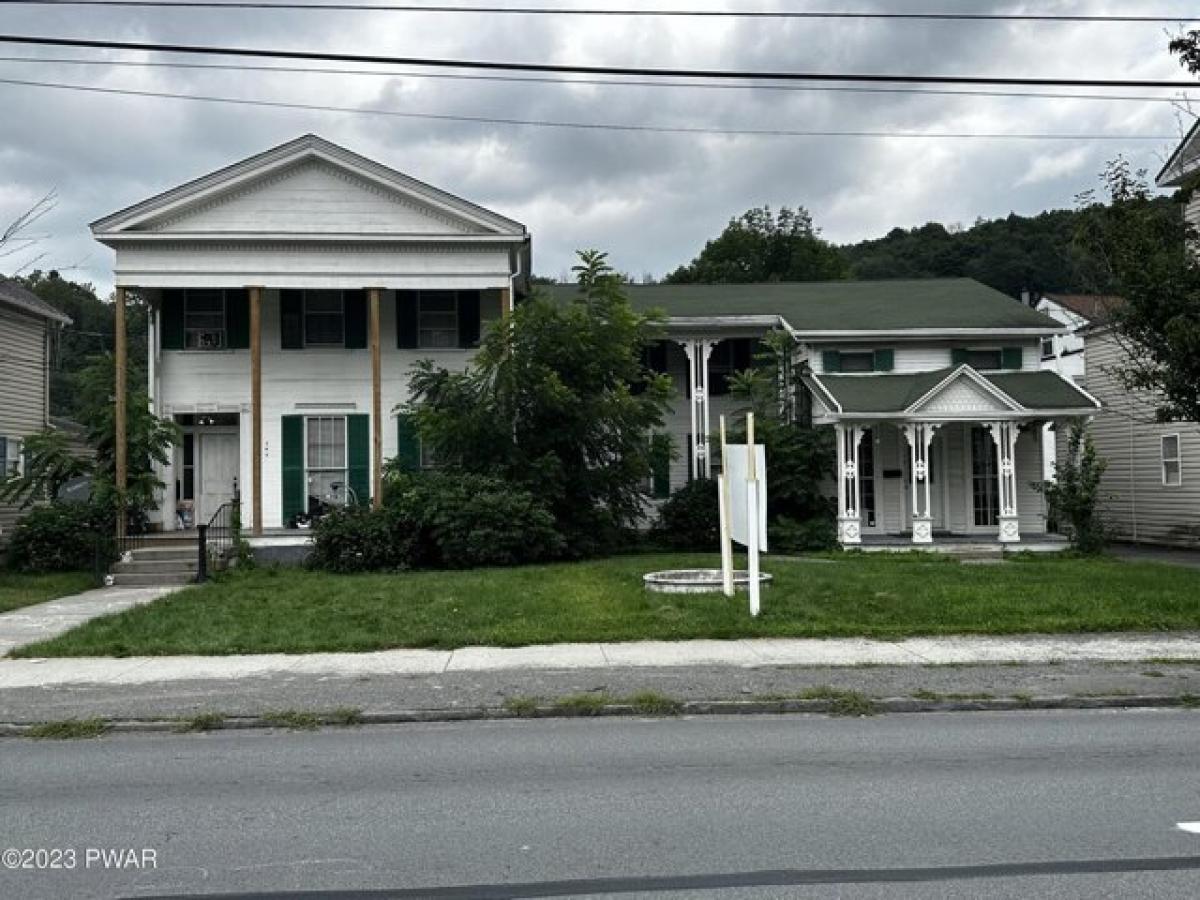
10, 457
325, 460
437, 319
857, 361
324, 319
1172, 463
204, 320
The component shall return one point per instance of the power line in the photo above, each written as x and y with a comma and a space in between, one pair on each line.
624, 12
513, 79
495, 65
590, 126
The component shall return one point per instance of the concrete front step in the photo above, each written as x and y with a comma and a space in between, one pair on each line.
137, 579
165, 554
155, 566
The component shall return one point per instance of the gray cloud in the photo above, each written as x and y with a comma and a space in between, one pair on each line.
651, 199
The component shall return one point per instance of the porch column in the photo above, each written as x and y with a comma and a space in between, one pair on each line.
256, 515
1005, 436
698, 353
376, 401
120, 476
849, 524
919, 436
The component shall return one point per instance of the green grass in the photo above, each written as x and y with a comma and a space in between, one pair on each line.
885, 596
841, 703
17, 590
68, 729
583, 704
293, 719
205, 721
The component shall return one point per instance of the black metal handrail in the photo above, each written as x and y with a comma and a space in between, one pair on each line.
220, 536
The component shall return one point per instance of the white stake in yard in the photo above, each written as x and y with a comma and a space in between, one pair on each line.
742, 491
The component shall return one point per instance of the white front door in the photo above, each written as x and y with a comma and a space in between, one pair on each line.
218, 456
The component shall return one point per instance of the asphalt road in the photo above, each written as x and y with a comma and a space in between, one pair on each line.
1069, 804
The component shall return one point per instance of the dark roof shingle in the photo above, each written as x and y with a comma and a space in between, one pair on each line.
15, 294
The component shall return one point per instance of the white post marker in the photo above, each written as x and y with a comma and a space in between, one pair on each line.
752, 517
745, 476
723, 508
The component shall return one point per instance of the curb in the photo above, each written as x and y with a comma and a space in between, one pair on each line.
686, 708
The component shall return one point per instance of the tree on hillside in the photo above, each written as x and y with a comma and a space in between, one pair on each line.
763, 246
1152, 266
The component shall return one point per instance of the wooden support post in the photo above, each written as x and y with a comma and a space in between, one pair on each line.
119, 408
256, 514
506, 301
376, 401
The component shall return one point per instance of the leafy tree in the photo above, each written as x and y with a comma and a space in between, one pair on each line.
762, 246
1074, 495
547, 404
1152, 267
800, 459
49, 464
1187, 47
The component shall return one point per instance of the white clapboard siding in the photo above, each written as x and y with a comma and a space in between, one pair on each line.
931, 355
22, 387
1135, 503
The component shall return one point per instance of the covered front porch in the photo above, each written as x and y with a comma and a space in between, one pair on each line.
950, 457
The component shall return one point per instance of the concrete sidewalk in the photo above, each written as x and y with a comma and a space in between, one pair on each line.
1035, 649
42, 621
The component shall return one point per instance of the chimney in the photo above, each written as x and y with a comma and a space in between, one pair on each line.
1026, 297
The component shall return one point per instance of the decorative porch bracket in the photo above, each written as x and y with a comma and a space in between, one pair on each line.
919, 437
1005, 435
849, 523
698, 353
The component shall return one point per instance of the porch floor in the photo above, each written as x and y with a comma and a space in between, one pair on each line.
963, 544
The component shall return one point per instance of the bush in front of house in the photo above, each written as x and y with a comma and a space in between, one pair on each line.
786, 535
689, 519
361, 539
437, 521
1074, 496
468, 520
62, 537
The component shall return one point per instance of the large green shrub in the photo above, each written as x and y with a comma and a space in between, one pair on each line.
438, 520
360, 539
689, 518
1074, 495
62, 537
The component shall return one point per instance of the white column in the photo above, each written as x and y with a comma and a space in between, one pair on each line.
849, 523
919, 436
698, 353
1004, 434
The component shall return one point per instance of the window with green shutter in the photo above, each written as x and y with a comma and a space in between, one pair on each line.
170, 318
958, 356
406, 320
1011, 358
831, 361
355, 305
885, 360
237, 319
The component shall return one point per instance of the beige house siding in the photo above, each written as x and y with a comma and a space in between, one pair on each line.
23, 386
1137, 505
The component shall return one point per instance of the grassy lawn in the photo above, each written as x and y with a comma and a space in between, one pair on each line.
295, 611
18, 590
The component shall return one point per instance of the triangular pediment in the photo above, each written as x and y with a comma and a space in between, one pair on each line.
307, 187
964, 392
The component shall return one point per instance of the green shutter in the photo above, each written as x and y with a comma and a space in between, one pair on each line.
468, 319
237, 319
831, 361
1010, 358
291, 320
958, 356
408, 444
358, 456
355, 305
171, 320
295, 493
406, 320
885, 360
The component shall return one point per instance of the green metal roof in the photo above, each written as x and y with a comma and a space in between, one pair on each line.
894, 393
815, 306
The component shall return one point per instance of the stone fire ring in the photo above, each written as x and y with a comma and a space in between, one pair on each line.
699, 581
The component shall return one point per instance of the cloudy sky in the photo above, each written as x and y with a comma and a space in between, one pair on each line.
650, 199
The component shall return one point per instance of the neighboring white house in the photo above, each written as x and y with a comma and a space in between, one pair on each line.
1151, 488
291, 293
28, 326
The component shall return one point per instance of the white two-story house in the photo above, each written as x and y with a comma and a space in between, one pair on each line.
292, 292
